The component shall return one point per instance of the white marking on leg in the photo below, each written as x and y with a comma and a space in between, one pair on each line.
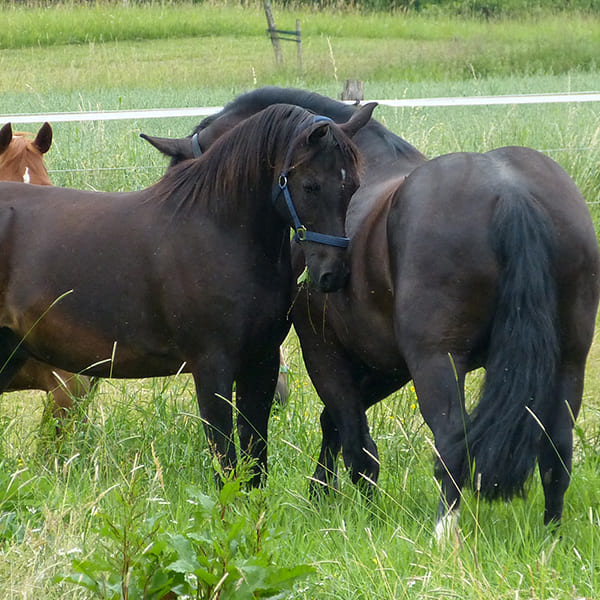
26, 178
447, 527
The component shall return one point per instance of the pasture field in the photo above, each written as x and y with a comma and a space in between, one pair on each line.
135, 474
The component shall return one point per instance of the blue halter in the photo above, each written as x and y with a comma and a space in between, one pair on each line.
303, 234
196, 150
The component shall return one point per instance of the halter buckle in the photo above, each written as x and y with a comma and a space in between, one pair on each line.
301, 233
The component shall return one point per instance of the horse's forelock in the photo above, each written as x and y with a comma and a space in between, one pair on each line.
336, 138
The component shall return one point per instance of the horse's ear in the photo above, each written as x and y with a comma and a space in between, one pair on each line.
359, 119
5, 137
174, 147
319, 132
43, 139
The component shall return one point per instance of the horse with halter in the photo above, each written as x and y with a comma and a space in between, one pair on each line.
22, 159
464, 261
192, 274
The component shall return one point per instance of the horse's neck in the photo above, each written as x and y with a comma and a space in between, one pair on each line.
371, 202
384, 153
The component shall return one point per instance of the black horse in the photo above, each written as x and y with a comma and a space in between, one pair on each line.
380, 148
192, 274
465, 261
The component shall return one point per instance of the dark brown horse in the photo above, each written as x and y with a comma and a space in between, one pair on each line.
22, 159
192, 274
381, 150
472, 260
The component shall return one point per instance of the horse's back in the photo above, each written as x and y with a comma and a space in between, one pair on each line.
454, 187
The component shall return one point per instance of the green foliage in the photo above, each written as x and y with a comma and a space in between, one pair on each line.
505, 8
224, 549
477, 8
21, 501
209, 47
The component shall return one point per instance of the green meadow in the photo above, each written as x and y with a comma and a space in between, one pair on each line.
128, 496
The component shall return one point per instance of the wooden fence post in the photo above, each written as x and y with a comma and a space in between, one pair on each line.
354, 89
299, 42
273, 32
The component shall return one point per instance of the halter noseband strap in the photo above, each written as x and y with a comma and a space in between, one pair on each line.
303, 234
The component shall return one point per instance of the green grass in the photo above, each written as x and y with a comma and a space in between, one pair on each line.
358, 548
75, 48
50, 501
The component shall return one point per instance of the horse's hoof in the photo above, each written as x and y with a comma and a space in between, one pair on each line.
318, 487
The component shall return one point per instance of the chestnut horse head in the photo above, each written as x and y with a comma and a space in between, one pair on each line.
22, 158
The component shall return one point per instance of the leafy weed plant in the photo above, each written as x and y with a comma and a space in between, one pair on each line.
222, 549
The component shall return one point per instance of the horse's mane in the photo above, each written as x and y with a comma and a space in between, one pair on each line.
256, 100
242, 161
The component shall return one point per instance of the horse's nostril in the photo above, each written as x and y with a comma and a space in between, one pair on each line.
331, 281
325, 281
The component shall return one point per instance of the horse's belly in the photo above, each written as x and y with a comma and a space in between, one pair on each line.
80, 349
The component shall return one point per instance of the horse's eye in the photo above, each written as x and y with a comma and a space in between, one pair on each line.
312, 188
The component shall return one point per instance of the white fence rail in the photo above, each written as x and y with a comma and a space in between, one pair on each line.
160, 113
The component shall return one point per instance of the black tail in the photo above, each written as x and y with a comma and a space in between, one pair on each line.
505, 430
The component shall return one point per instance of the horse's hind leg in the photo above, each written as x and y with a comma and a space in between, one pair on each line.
556, 447
439, 383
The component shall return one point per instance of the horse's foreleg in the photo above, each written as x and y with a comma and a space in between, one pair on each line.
344, 422
345, 426
325, 475
556, 448
214, 383
64, 390
255, 388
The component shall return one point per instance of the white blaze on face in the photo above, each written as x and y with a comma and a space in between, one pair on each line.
26, 178
343, 174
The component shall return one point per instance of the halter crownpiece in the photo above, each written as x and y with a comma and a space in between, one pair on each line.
303, 234
196, 149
